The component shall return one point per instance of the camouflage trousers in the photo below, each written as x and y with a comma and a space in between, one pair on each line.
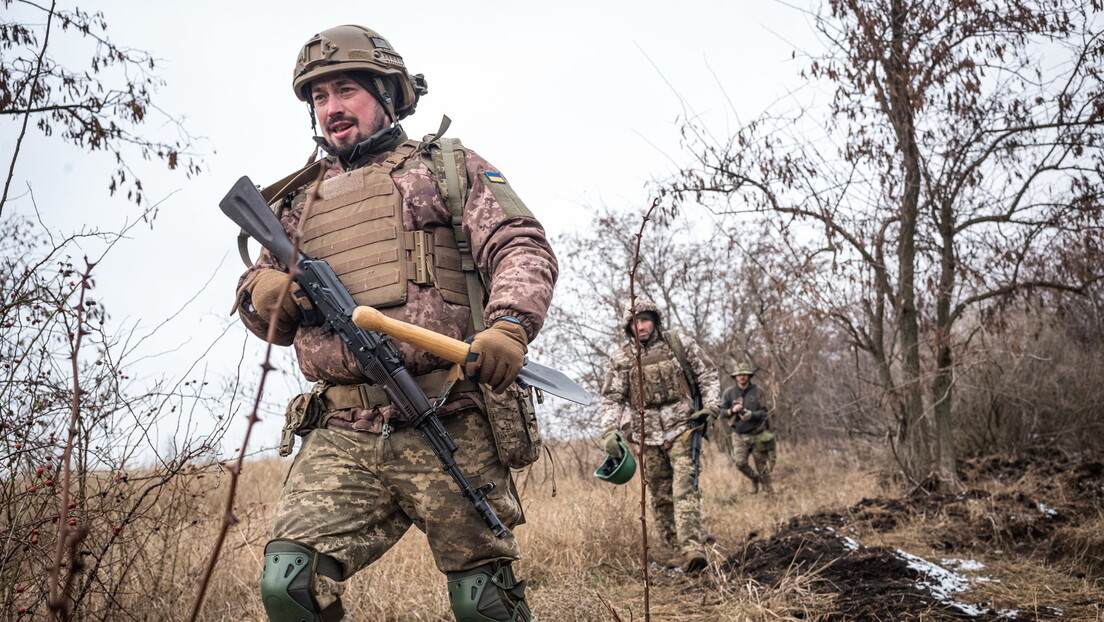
762, 447
676, 505
353, 495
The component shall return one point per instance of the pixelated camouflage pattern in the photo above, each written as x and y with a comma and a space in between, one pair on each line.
676, 506
745, 446
353, 496
512, 253
662, 422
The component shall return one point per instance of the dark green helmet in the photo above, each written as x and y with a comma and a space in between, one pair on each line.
617, 470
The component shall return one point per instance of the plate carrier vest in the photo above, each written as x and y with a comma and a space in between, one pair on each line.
360, 213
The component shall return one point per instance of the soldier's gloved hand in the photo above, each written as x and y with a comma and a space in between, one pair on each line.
264, 287
612, 440
703, 417
497, 354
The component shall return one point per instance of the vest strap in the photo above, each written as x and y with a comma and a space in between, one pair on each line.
456, 199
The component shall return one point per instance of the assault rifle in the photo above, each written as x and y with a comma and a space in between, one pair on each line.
376, 355
697, 433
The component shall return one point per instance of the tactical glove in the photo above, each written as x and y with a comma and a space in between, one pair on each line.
704, 417
264, 287
497, 354
612, 440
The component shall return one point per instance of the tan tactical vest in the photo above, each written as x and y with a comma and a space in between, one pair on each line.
664, 381
357, 228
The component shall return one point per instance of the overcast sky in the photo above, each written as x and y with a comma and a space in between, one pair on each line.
576, 102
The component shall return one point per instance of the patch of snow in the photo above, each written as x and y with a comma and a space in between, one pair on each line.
1047, 512
962, 564
941, 583
850, 544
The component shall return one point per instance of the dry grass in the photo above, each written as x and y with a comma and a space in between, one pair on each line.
580, 547
582, 550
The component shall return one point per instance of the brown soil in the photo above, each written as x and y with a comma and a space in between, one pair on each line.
1022, 508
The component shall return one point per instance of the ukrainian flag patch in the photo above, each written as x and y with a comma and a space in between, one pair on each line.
495, 177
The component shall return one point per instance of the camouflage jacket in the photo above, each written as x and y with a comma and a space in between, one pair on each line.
512, 253
662, 422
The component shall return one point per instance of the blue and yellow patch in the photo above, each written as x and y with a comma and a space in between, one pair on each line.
495, 177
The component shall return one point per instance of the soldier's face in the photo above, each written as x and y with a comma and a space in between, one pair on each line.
643, 328
742, 380
347, 113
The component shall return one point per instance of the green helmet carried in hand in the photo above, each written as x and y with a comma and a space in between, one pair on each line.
352, 49
617, 470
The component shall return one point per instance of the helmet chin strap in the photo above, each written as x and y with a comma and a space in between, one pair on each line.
313, 118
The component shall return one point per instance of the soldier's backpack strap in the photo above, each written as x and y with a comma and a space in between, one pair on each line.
675, 342
451, 167
276, 195
456, 179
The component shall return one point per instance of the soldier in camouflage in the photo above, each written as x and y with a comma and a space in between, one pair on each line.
745, 408
378, 211
669, 416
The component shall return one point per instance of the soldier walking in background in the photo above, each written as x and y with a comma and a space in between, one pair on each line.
745, 409
674, 369
415, 229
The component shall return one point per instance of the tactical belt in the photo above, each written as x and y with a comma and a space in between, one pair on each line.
366, 396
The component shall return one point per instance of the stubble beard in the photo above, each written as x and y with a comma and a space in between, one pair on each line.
345, 148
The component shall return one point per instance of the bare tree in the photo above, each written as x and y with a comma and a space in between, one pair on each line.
105, 105
87, 489
737, 294
962, 157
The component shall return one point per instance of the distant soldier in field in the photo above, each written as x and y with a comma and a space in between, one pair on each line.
431, 234
675, 371
745, 408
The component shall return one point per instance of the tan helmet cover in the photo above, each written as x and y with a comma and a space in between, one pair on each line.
643, 305
355, 48
741, 369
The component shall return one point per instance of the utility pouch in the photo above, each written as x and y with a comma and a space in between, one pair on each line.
302, 415
764, 442
513, 420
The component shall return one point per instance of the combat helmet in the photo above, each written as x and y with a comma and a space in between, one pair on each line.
741, 369
352, 48
617, 470
643, 305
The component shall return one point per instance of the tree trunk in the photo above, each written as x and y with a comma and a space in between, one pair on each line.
943, 382
917, 462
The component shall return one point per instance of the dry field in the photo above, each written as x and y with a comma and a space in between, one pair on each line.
833, 522
1024, 540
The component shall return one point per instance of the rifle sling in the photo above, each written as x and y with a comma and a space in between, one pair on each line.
675, 342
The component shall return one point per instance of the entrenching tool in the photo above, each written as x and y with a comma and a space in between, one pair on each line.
532, 374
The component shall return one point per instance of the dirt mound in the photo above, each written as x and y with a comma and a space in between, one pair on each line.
1044, 505
1033, 506
867, 583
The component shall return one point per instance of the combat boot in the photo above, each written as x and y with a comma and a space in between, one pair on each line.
765, 478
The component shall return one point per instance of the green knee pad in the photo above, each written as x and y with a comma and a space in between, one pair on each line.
472, 601
287, 583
